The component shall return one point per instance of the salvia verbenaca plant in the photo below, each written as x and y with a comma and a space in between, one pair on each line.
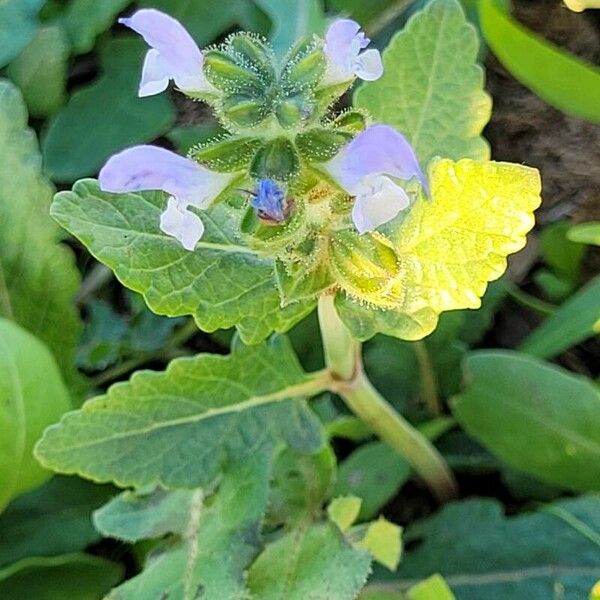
297, 206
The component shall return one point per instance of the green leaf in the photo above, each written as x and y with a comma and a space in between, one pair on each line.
516, 406
185, 137
368, 13
41, 71
208, 19
374, 473
343, 511
433, 588
585, 233
18, 24
134, 516
72, 576
450, 247
432, 87
558, 77
84, 20
52, 519
84, 134
300, 485
180, 427
221, 539
32, 395
483, 554
313, 562
383, 540
35, 271
292, 20
575, 321
222, 283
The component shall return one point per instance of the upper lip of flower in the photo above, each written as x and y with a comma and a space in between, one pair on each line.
343, 44
173, 53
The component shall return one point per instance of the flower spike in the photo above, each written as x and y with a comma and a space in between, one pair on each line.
188, 183
173, 54
344, 42
365, 168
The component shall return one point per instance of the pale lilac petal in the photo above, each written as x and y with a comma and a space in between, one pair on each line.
378, 201
152, 168
154, 77
379, 149
339, 38
180, 57
182, 224
369, 66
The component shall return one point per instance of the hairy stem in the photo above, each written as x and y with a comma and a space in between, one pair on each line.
349, 380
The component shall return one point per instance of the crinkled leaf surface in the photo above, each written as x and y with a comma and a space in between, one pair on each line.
554, 417
310, 562
222, 283
134, 516
72, 576
452, 245
221, 539
484, 555
32, 395
37, 276
41, 71
83, 134
432, 87
52, 519
181, 426
18, 24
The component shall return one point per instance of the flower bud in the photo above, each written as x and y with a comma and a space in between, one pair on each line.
226, 74
253, 51
277, 160
321, 144
294, 110
305, 66
244, 110
228, 155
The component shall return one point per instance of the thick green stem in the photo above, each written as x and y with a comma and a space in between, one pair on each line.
349, 380
367, 403
341, 349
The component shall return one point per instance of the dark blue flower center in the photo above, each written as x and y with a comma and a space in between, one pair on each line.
269, 200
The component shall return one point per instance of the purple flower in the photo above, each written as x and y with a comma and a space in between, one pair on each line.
188, 183
269, 200
173, 54
366, 167
344, 42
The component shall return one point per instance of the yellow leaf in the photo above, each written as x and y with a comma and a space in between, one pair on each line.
450, 246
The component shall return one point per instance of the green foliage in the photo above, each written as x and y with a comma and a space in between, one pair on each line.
82, 135
310, 561
483, 554
433, 588
51, 520
222, 284
383, 540
561, 79
41, 71
73, 576
292, 20
32, 395
575, 321
374, 473
84, 20
556, 441
180, 427
208, 19
18, 24
585, 233
219, 540
432, 87
34, 271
